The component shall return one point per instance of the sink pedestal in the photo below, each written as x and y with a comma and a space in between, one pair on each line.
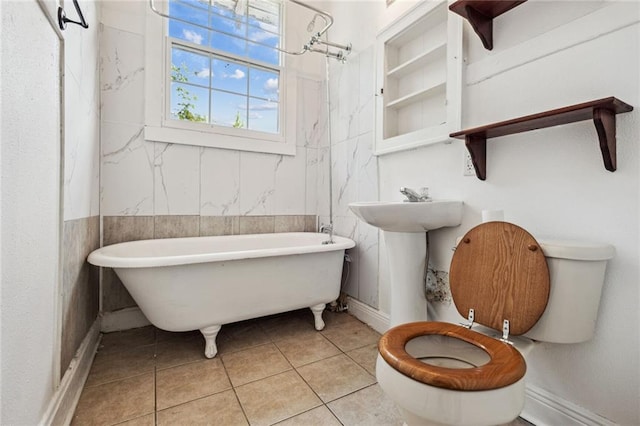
406, 252
404, 227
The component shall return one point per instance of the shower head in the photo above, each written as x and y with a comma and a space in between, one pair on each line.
312, 24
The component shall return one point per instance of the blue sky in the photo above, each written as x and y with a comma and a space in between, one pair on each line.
227, 87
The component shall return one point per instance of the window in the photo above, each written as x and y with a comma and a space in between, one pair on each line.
223, 76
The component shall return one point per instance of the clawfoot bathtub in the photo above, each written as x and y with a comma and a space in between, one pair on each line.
202, 283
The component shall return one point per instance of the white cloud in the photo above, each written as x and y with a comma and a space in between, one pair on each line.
204, 73
271, 85
238, 74
269, 26
192, 36
255, 115
266, 106
262, 36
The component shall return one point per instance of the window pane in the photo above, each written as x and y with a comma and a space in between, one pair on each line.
189, 103
224, 7
226, 43
218, 23
268, 6
189, 67
263, 115
264, 54
263, 27
228, 31
264, 37
187, 13
229, 76
188, 32
267, 20
264, 84
228, 109
209, 86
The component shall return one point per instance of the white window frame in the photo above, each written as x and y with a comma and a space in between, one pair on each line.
161, 128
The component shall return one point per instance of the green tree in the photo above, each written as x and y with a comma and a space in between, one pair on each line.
179, 75
238, 124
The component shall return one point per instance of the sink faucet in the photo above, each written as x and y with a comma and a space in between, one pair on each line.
413, 196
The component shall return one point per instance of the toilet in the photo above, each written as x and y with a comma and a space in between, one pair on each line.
514, 291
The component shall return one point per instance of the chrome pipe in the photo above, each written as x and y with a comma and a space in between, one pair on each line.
339, 55
164, 15
328, 92
346, 48
306, 48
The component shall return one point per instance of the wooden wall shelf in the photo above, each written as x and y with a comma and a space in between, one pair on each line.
602, 112
480, 14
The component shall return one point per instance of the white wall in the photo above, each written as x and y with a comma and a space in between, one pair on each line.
151, 178
552, 182
44, 183
30, 211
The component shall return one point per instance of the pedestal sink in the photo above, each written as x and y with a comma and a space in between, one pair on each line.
404, 225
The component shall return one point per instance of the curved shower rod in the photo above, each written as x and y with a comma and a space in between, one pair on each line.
315, 38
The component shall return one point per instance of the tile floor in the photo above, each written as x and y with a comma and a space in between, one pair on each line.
271, 370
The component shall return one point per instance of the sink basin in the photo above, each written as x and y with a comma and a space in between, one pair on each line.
399, 216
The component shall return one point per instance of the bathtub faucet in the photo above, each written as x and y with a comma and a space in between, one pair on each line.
327, 229
413, 196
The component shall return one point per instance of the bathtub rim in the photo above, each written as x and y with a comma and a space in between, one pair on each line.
99, 258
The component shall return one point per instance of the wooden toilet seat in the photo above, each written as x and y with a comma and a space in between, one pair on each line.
505, 367
499, 270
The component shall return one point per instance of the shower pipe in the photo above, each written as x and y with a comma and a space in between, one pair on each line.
308, 47
328, 92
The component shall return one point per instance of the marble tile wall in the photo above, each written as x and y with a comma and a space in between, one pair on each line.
80, 284
82, 119
145, 178
118, 229
354, 168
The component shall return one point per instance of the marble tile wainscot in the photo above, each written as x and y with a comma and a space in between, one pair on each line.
80, 291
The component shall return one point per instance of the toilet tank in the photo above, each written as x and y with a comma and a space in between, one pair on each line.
576, 276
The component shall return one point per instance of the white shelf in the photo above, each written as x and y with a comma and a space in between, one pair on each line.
417, 96
419, 77
417, 62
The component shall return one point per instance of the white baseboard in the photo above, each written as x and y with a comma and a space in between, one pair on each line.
124, 319
65, 398
543, 408
377, 320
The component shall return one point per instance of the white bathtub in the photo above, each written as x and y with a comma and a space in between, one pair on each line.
201, 283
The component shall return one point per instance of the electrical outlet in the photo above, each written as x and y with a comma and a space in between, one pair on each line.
468, 166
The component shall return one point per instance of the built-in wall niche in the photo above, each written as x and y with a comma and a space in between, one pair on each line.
418, 75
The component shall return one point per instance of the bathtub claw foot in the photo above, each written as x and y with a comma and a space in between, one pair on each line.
317, 315
210, 333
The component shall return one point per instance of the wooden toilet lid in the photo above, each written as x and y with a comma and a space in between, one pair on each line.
499, 271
